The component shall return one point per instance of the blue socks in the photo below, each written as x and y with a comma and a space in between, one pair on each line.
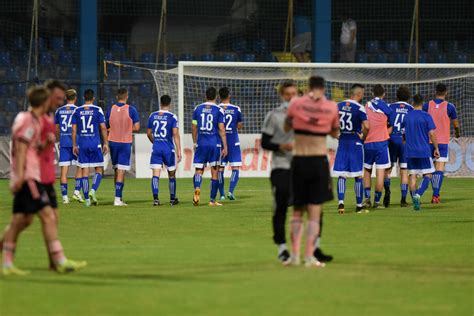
154, 186
404, 189
64, 189
378, 195
172, 187
198, 180
341, 189
96, 181
367, 193
77, 188
118, 189
358, 191
234, 179
386, 184
85, 187
221, 183
436, 181
214, 188
423, 185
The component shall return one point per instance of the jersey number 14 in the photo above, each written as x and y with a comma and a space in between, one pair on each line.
87, 124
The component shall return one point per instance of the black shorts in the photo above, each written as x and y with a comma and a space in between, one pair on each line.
53, 201
31, 198
311, 180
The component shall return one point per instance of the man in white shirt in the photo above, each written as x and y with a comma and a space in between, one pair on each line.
348, 39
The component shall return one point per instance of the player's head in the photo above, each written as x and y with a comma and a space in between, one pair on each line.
288, 90
224, 94
122, 94
441, 90
89, 95
38, 96
378, 91
71, 96
57, 93
418, 100
403, 93
357, 92
317, 86
165, 101
211, 94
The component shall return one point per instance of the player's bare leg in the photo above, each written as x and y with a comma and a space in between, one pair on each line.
63, 183
77, 190
221, 183
234, 179
380, 173
404, 187
18, 223
437, 181
214, 186
96, 183
119, 184
312, 232
296, 231
367, 186
172, 187
155, 186
386, 186
197, 186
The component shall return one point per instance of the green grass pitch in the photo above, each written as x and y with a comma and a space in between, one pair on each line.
185, 260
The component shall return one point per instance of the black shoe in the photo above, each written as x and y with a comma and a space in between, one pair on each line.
156, 202
359, 209
386, 198
340, 208
318, 254
403, 203
378, 205
367, 204
174, 202
284, 256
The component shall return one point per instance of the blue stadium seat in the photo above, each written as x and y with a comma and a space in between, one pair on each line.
451, 46
147, 57
20, 89
19, 44
372, 46
108, 56
3, 91
65, 58
422, 58
248, 57
12, 74
208, 57
399, 58
57, 44
229, 57
74, 44
431, 46
361, 57
118, 46
73, 73
259, 46
42, 45
170, 59
381, 58
268, 57
438, 57
239, 46
392, 46
461, 58
5, 59
45, 59
4, 125
186, 57
145, 90
136, 73
11, 106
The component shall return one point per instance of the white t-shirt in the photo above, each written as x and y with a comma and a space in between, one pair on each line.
347, 27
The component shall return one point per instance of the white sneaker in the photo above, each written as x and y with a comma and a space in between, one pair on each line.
292, 261
65, 199
77, 197
312, 262
120, 203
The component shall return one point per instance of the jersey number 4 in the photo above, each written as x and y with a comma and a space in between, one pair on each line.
345, 121
398, 121
160, 129
87, 124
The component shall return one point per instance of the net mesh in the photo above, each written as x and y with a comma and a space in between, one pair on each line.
255, 89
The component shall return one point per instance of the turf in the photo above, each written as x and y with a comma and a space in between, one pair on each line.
206, 261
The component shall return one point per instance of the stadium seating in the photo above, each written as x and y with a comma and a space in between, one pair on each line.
392, 46
248, 57
74, 44
361, 57
437, 57
12, 74
5, 59
65, 58
118, 46
372, 46
147, 57
431, 46
11, 106
229, 57
239, 46
208, 57
186, 57
19, 44
57, 44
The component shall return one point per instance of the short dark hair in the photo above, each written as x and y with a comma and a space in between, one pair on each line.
224, 93
122, 93
441, 89
403, 93
211, 93
89, 95
286, 84
417, 99
52, 84
165, 100
71, 94
378, 90
356, 86
316, 82
37, 96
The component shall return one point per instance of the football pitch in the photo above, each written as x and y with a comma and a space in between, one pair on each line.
184, 260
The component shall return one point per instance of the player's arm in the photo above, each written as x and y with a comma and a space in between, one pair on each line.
288, 124
435, 143
365, 129
149, 134
57, 130
457, 129
135, 119
335, 127
177, 143
75, 149
21, 147
268, 131
194, 128
223, 138
240, 125
103, 134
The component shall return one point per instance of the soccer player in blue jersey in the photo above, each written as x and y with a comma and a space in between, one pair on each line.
419, 131
210, 143
395, 144
163, 132
349, 160
233, 123
88, 127
121, 120
62, 119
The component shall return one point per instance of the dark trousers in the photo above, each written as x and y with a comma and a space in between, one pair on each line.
282, 199
281, 190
